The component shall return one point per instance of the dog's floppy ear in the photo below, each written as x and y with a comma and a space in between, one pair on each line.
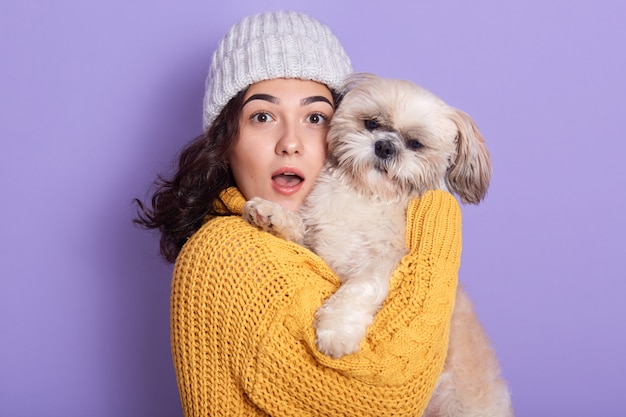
470, 172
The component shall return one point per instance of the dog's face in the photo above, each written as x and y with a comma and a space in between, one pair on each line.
392, 139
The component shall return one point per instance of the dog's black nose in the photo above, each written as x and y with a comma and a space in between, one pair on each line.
384, 149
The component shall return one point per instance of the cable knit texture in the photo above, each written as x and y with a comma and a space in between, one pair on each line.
243, 304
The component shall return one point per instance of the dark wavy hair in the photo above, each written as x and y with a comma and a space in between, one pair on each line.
181, 205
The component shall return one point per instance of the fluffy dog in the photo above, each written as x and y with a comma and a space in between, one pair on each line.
389, 142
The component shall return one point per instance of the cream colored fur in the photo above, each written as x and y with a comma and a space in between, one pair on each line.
389, 142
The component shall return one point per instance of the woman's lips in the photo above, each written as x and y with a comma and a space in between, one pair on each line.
287, 180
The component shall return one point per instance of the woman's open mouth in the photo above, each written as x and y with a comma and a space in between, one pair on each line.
287, 181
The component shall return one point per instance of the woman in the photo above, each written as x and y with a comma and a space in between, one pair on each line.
243, 301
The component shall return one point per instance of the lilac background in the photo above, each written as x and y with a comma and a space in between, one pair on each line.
96, 97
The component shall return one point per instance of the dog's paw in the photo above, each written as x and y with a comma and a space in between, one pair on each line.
339, 332
259, 213
273, 218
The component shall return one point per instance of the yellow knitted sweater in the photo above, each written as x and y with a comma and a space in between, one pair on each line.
242, 309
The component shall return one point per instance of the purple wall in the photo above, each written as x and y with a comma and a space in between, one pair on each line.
96, 97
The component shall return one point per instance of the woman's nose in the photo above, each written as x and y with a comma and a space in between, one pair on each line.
289, 142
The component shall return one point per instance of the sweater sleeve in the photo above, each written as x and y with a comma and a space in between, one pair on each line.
243, 304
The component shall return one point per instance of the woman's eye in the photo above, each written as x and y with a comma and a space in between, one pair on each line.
316, 118
261, 117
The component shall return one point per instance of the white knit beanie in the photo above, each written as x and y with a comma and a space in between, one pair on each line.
272, 45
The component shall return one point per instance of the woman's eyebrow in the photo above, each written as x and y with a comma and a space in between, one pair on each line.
266, 97
313, 99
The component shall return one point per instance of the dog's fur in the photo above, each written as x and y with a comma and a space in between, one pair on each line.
389, 142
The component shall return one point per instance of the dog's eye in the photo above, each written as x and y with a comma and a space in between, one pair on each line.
414, 144
371, 124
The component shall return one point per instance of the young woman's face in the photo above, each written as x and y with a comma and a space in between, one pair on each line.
281, 145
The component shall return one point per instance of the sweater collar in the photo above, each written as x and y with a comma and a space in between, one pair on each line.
231, 201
